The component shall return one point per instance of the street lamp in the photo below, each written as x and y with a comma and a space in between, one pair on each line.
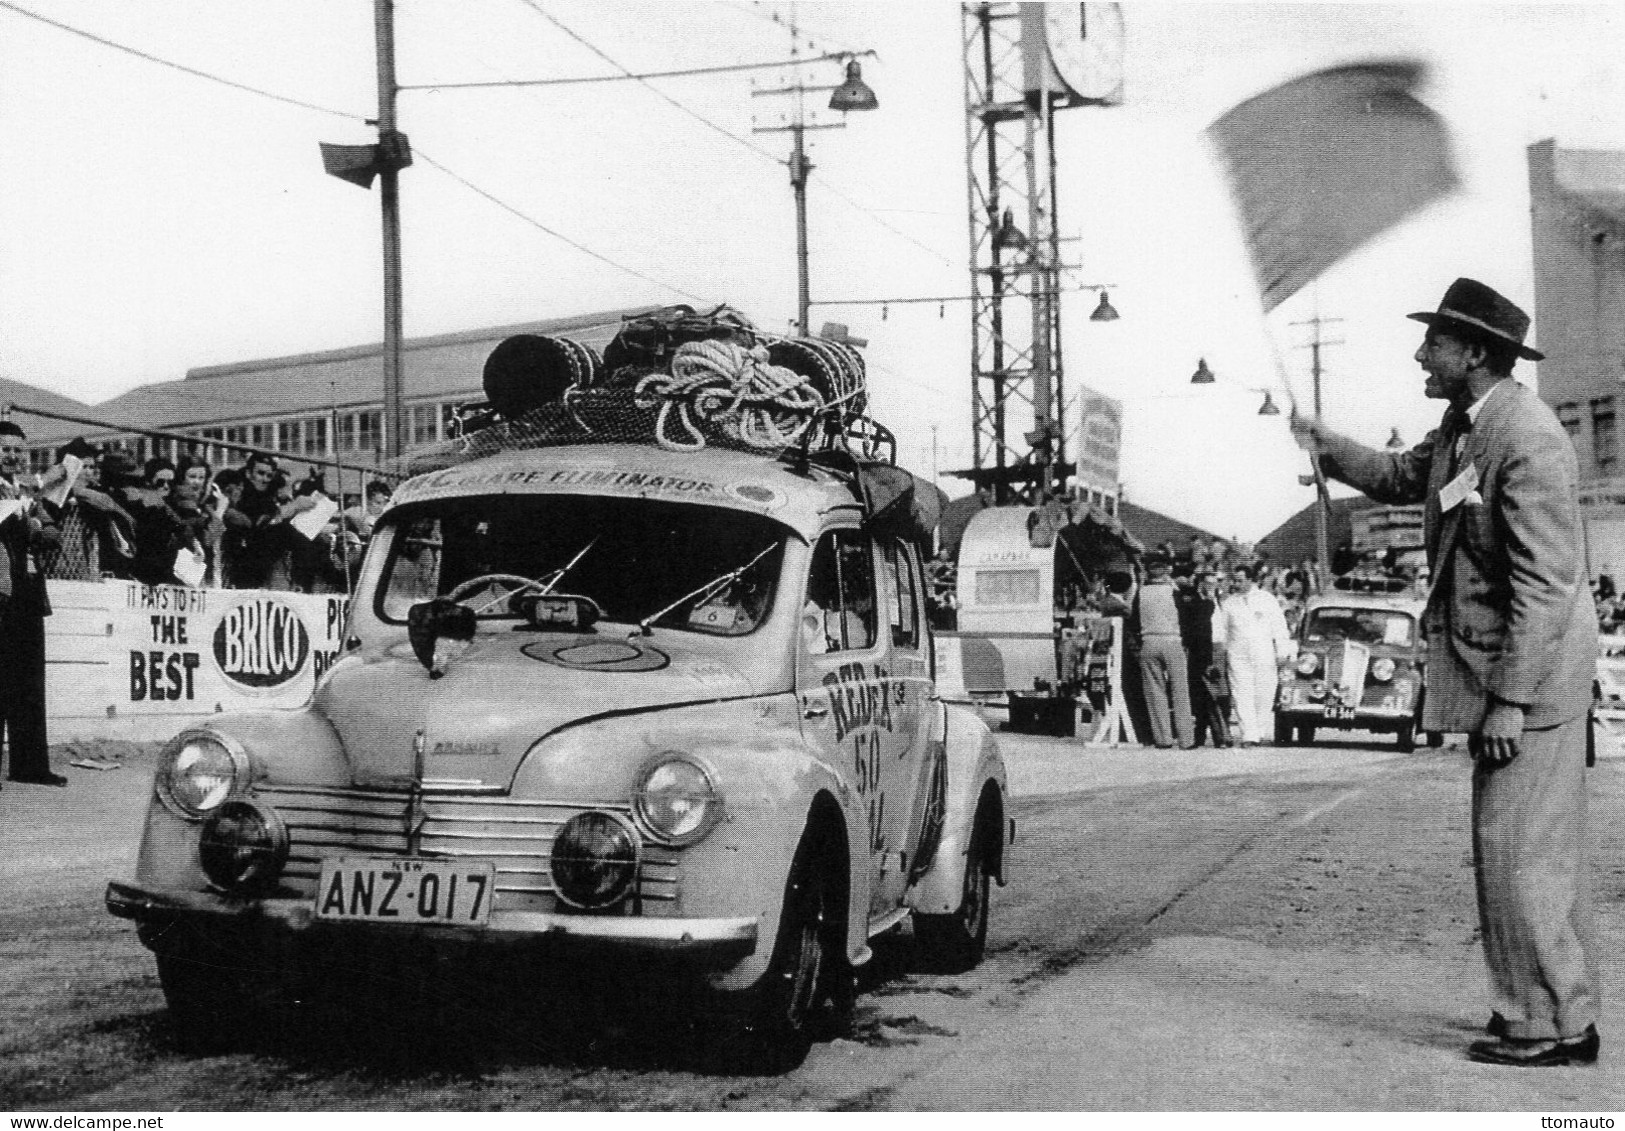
853, 94
1269, 407
1395, 443
1203, 375
1104, 311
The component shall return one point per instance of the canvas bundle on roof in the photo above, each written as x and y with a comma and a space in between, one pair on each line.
684, 381
672, 377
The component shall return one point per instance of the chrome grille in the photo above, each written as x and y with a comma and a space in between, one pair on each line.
515, 835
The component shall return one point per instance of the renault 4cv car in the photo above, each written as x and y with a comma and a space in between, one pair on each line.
667, 711
1360, 665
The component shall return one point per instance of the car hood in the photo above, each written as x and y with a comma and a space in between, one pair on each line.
475, 723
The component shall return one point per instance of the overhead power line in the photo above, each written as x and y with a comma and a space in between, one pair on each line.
182, 67
754, 148
533, 222
696, 115
685, 73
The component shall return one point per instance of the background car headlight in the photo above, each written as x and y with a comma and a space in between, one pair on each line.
199, 772
1308, 664
243, 847
675, 800
1382, 670
595, 860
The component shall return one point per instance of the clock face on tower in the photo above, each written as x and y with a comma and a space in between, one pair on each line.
1086, 49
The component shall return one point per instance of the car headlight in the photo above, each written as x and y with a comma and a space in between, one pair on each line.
675, 800
198, 771
1382, 670
1308, 664
595, 860
243, 847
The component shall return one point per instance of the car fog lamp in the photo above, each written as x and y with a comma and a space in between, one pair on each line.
1382, 670
1308, 664
675, 801
595, 860
198, 773
243, 847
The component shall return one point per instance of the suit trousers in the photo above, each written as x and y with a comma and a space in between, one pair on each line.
1534, 895
1167, 690
1252, 682
22, 692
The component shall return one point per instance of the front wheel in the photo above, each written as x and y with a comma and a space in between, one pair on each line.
955, 942
1435, 738
784, 1006
1407, 737
214, 1006
1306, 735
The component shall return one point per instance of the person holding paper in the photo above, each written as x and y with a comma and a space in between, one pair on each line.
1512, 653
27, 530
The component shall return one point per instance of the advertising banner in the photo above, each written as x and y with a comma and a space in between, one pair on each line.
1100, 440
121, 650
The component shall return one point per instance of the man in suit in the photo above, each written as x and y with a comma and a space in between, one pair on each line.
27, 530
1155, 624
1512, 648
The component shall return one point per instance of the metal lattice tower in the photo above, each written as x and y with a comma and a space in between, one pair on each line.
1017, 386
1016, 378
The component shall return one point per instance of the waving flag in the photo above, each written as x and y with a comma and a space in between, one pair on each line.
1323, 163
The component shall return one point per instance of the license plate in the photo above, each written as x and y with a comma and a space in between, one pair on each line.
1339, 712
406, 891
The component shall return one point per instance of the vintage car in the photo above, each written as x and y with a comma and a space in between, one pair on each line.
1360, 664
663, 715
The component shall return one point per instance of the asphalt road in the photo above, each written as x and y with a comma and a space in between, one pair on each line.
1208, 930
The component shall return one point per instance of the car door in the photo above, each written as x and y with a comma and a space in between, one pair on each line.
906, 682
845, 688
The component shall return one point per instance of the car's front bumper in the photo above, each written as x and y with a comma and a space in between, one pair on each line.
706, 943
1364, 718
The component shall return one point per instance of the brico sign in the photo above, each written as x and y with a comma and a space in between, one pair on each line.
261, 644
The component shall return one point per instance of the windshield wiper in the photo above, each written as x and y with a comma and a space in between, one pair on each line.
547, 581
709, 589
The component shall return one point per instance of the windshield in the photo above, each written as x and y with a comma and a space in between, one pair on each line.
634, 557
1364, 626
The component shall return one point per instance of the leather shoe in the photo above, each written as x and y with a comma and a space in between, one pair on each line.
47, 778
1538, 1054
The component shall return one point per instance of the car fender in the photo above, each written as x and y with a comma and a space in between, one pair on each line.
774, 785
974, 767
283, 746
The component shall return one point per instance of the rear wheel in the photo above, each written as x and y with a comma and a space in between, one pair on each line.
955, 942
1435, 738
1283, 730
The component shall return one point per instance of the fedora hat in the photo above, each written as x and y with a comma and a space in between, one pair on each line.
1471, 304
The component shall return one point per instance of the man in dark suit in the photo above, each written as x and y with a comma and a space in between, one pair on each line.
27, 530
1512, 650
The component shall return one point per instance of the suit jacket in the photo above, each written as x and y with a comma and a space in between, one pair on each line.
22, 547
1510, 613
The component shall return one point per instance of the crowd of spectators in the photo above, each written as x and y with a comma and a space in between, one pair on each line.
185, 523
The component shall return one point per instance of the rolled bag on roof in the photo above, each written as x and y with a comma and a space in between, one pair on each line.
901, 503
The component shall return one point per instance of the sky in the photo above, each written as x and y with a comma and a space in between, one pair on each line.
155, 221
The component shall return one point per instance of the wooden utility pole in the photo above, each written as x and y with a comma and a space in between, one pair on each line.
390, 141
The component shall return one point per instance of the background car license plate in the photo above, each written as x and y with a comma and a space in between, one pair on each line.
1339, 712
389, 890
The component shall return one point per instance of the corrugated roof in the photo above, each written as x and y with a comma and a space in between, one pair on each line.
439, 366
29, 396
